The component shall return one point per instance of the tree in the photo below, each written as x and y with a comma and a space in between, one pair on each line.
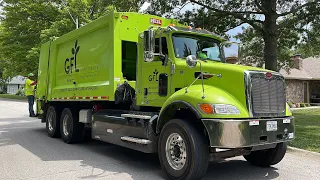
20, 32
26, 24
4, 79
264, 16
309, 46
253, 46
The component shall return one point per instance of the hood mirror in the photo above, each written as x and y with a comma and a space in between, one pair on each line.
191, 61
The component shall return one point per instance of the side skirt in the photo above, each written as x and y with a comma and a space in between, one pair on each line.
130, 129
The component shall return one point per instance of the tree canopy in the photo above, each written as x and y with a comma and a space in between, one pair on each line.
269, 18
26, 24
275, 26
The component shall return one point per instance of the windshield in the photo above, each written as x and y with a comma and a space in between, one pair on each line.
204, 48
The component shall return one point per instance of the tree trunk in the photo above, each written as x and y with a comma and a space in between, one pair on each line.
270, 35
270, 52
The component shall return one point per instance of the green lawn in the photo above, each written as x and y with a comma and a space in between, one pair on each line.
9, 96
307, 124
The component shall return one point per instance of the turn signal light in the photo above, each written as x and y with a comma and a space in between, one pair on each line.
207, 108
198, 29
172, 25
189, 27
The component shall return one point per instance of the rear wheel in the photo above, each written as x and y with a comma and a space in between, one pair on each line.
70, 127
52, 122
267, 157
182, 151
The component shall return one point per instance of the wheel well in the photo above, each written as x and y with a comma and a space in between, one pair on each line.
185, 112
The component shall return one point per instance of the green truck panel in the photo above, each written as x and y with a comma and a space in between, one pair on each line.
90, 62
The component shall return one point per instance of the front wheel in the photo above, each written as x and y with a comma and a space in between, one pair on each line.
267, 157
182, 150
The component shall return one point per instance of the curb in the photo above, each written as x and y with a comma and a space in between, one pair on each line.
295, 109
302, 151
16, 100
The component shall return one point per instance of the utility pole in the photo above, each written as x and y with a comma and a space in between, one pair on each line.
75, 20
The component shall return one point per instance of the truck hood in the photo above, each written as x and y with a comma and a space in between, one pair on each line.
231, 80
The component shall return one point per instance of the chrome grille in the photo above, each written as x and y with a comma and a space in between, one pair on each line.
266, 97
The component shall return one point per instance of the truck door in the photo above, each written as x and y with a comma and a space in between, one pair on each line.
154, 79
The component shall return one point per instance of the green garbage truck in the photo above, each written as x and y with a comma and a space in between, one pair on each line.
158, 86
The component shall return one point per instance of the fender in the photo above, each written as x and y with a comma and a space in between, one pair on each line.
191, 99
288, 110
173, 106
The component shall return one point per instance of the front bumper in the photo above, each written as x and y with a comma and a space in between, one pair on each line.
237, 133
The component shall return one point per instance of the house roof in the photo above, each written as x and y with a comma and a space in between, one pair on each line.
310, 70
17, 80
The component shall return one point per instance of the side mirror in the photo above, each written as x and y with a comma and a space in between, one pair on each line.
191, 61
149, 45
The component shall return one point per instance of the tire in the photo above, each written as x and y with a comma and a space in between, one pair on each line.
268, 157
53, 122
71, 129
192, 148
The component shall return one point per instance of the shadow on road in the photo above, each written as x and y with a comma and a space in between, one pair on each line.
110, 158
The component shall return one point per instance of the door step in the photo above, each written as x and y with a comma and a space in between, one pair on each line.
136, 140
136, 116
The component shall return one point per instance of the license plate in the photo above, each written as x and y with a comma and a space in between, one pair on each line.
272, 126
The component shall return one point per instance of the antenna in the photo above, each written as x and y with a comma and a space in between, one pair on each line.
180, 8
76, 21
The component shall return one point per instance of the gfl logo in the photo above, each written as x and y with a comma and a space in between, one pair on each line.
72, 62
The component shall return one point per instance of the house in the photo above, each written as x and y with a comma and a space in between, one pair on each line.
303, 80
15, 84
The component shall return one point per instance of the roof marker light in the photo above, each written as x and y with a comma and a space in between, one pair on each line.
125, 17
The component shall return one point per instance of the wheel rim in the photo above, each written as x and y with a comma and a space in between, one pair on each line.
176, 151
50, 121
66, 125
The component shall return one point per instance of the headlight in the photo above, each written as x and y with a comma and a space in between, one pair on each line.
218, 109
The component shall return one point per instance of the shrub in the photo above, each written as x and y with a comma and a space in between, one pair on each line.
20, 92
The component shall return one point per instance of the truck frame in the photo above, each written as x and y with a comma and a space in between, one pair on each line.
157, 86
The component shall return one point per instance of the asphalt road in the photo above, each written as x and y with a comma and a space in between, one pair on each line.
26, 152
